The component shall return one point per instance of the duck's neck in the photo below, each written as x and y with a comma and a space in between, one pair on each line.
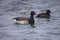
31, 17
31, 21
48, 13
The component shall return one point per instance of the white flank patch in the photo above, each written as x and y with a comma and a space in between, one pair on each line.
21, 22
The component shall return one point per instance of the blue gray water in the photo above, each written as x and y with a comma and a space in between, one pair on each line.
44, 30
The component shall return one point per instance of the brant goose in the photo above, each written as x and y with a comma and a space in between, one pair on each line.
24, 20
44, 15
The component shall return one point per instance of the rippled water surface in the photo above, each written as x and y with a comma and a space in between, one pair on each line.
44, 30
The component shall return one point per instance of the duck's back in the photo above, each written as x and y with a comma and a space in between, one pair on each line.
43, 15
21, 18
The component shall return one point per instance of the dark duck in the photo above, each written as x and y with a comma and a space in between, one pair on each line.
44, 15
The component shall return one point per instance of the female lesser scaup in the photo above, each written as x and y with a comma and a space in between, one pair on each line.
44, 15
24, 20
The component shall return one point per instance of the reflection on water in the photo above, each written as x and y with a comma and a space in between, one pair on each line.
55, 34
46, 29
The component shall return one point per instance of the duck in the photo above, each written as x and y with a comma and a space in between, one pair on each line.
44, 15
25, 20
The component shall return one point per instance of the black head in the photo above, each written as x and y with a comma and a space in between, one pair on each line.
48, 11
32, 13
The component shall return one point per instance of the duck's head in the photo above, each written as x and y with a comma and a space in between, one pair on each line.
48, 11
33, 13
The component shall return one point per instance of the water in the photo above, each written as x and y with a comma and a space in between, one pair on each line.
44, 30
